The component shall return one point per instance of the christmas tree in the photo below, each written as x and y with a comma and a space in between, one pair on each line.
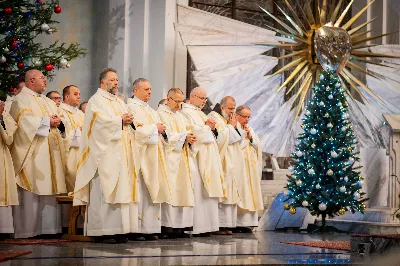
323, 176
21, 21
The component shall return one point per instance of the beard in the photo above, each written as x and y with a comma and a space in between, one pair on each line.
225, 115
110, 89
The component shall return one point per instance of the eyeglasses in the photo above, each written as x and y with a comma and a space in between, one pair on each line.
177, 102
243, 116
201, 98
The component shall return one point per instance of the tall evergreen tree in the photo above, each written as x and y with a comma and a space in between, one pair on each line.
324, 179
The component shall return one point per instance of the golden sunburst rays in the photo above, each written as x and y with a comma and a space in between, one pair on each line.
304, 65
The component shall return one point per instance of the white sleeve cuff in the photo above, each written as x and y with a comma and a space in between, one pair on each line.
233, 135
76, 140
117, 134
153, 140
209, 138
180, 142
44, 128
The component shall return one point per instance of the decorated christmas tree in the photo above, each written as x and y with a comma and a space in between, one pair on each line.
323, 176
21, 21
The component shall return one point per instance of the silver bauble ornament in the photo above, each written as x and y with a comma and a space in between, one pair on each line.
342, 189
3, 59
63, 62
318, 186
322, 207
44, 27
313, 131
299, 182
356, 195
304, 203
339, 104
330, 97
291, 168
346, 179
329, 125
330, 172
333, 47
313, 146
311, 171
351, 160
321, 103
299, 153
334, 154
6, 50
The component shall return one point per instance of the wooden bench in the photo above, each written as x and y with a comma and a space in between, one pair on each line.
74, 213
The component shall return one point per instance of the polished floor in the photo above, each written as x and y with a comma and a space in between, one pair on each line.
239, 249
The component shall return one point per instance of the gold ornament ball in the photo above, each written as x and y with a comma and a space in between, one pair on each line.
363, 206
361, 177
349, 148
286, 206
342, 211
292, 210
326, 115
303, 126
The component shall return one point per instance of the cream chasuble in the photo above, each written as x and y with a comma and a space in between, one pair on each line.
232, 162
72, 119
178, 213
8, 185
7, 104
107, 148
106, 177
150, 144
206, 151
177, 157
252, 153
38, 155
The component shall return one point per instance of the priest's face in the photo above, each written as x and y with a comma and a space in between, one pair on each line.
110, 83
199, 99
244, 117
73, 97
174, 101
36, 81
228, 108
143, 91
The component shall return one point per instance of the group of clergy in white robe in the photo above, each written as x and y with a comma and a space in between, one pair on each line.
136, 169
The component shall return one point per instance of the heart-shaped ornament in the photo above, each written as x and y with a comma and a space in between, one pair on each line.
333, 47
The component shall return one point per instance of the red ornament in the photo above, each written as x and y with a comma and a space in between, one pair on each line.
49, 67
8, 10
20, 65
39, 2
11, 89
14, 44
57, 9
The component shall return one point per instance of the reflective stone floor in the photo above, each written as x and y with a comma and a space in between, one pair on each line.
240, 249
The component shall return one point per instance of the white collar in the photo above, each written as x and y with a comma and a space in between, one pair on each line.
30, 92
107, 95
69, 107
191, 106
138, 101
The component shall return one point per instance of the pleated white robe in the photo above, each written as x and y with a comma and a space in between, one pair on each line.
106, 179
153, 176
39, 158
178, 213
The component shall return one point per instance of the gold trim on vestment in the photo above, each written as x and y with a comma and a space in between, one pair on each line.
5, 178
95, 115
83, 158
25, 180
21, 112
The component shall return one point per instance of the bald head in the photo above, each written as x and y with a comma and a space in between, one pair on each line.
36, 81
198, 97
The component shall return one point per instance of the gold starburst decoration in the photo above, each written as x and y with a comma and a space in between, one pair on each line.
305, 63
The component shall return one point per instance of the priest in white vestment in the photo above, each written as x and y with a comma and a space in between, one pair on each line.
229, 140
252, 152
177, 213
38, 156
205, 168
106, 177
8, 187
153, 181
72, 119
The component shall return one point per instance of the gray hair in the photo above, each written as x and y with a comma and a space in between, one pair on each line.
225, 99
175, 91
240, 108
103, 73
137, 82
